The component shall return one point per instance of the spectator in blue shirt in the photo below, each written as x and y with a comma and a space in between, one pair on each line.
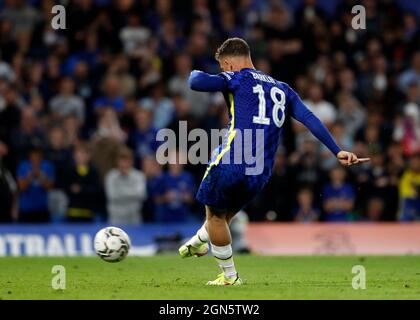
154, 177
162, 106
27, 136
112, 96
35, 177
143, 139
177, 191
411, 75
338, 196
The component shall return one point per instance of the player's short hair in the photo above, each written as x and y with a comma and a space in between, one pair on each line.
233, 47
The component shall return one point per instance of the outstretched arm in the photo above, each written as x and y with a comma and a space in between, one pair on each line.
301, 113
201, 81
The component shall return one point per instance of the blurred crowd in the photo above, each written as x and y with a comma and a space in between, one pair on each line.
80, 107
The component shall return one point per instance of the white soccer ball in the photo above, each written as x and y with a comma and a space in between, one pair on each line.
112, 244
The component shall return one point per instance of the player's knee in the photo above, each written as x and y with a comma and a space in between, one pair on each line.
216, 213
230, 216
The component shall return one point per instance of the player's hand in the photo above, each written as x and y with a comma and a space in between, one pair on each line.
348, 158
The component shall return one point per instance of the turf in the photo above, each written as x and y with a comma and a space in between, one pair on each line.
170, 277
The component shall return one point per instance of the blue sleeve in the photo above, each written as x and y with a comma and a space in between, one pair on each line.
201, 81
300, 112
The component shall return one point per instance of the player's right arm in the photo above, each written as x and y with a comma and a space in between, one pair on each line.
202, 81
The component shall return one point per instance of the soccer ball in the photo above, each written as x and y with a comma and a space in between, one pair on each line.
112, 244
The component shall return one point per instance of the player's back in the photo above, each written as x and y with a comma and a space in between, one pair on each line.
257, 106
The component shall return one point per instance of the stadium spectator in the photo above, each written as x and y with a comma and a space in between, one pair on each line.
72, 129
323, 109
161, 106
338, 197
37, 105
305, 167
109, 126
411, 75
67, 102
120, 68
176, 192
58, 151
105, 154
8, 190
27, 136
89, 52
35, 177
178, 84
81, 75
378, 185
154, 177
343, 139
6, 72
305, 210
407, 128
350, 113
112, 97
395, 166
126, 191
375, 209
23, 18
275, 203
143, 138
375, 81
410, 190
82, 185
121, 56
134, 36
9, 120
370, 135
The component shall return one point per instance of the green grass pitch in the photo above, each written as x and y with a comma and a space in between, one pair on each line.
170, 277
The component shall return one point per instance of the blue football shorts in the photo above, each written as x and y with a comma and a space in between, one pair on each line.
224, 188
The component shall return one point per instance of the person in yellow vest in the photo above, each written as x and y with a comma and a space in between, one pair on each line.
409, 189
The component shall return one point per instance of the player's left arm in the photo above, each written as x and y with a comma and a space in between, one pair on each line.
202, 81
300, 112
